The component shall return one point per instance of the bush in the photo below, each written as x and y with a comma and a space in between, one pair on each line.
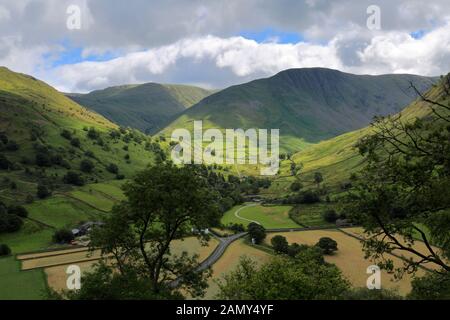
5, 164
4, 138
75, 142
279, 244
73, 178
12, 146
89, 154
330, 216
309, 197
9, 222
66, 134
56, 159
43, 159
4, 250
93, 134
296, 186
120, 177
112, 168
86, 166
328, 245
256, 232
63, 236
18, 211
42, 192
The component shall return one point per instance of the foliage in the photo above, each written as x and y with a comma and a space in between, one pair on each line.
4, 250
74, 178
256, 232
327, 244
63, 236
279, 244
330, 215
433, 286
305, 277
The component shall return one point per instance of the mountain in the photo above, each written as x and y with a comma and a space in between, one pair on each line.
307, 105
147, 107
44, 134
337, 158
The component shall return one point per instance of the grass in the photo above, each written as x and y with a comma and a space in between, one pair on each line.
23, 285
267, 216
310, 215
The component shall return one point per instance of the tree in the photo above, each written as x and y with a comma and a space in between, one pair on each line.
5, 164
4, 250
63, 236
162, 204
74, 178
42, 191
402, 193
42, 159
327, 244
279, 244
257, 232
295, 186
19, 211
75, 142
86, 166
433, 286
12, 145
318, 178
93, 134
9, 222
304, 278
66, 134
112, 168
330, 215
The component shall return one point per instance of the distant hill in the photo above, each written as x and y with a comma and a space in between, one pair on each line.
44, 134
307, 105
147, 107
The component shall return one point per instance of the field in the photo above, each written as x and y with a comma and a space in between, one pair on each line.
310, 215
16, 284
55, 263
230, 260
350, 258
268, 216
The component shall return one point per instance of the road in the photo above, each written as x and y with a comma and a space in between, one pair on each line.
236, 213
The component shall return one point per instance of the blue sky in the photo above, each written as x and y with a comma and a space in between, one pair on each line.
270, 34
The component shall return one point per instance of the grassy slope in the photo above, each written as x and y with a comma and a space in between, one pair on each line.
27, 104
147, 107
307, 105
337, 158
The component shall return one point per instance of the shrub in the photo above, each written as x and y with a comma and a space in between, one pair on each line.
112, 168
9, 222
42, 192
89, 154
73, 178
296, 186
328, 245
43, 159
5, 164
256, 232
12, 145
63, 236
18, 211
75, 142
330, 216
4, 250
279, 244
4, 138
93, 134
86, 166
120, 177
309, 197
66, 134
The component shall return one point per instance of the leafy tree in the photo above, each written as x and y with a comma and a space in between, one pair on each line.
12, 145
74, 178
42, 159
20, 211
66, 134
75, 142
318, 178
86, 166
163, 203
304, 278
327, 244
433, 286
112, 168
5, 164
93, 133
63, 236
9, 222
280, 244
43, 192
296, 186
257, 232
4, 250
330, 215
403, 191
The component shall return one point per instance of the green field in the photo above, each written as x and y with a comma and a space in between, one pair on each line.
268, 216
310, 215
23, 285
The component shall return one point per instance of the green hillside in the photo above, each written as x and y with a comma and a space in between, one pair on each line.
337, 158
147, 107
47, 141
307, 105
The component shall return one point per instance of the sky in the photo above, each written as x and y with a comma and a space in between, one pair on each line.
85, 45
